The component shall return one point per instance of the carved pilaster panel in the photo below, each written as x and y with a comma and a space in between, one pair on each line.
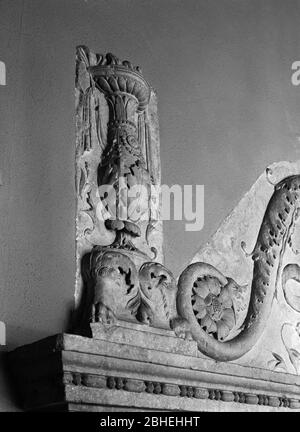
117, 138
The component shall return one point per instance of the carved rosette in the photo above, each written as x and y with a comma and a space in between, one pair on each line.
213, 306
205, 299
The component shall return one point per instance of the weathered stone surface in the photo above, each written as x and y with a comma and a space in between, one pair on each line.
68, 372
279, 346
139, 335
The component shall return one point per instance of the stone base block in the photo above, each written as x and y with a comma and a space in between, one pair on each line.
143, 336
73, 373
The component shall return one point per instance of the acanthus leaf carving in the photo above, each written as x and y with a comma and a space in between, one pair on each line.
158, 290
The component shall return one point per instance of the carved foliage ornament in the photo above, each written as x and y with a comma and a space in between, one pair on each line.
127, 94
203, 304
116, 128
123, 293
128, 285
273, 239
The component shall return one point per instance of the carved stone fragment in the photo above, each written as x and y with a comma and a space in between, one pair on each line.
117, 162
205, 296
123, 282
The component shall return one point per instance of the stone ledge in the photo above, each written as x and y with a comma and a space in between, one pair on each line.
139, 335
68, 372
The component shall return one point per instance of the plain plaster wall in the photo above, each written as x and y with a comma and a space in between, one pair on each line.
227, 109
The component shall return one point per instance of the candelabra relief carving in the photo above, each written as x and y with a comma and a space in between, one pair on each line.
123, 166
122, 279
118, 224
117, 159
